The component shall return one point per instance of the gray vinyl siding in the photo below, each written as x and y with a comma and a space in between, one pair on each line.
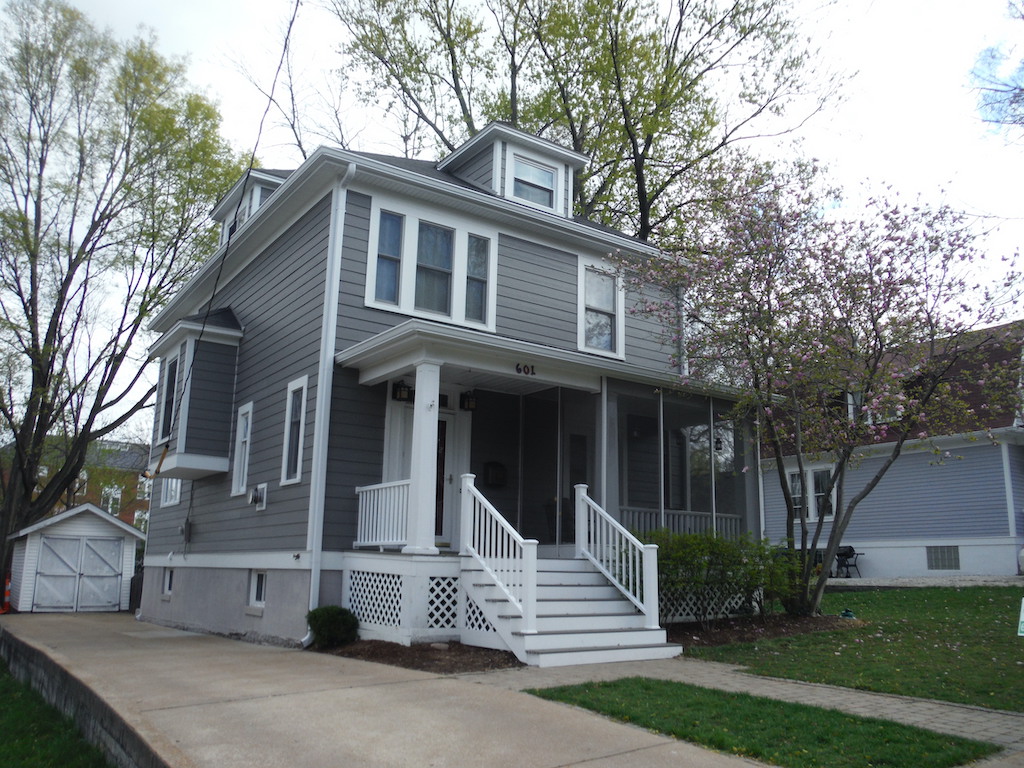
647, 342
355, 454
478, 169
210, 400
537, 293
278, 300
919, 498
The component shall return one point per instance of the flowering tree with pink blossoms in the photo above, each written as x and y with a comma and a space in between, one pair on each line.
846, 338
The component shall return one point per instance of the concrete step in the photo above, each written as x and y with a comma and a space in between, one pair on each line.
590, 638
563, 657
552, 622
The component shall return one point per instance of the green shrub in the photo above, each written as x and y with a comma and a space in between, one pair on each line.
332, 626
713, 570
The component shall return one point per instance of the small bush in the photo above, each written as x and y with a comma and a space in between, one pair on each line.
332, 626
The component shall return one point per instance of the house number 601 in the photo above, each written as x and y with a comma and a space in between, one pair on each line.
526, 370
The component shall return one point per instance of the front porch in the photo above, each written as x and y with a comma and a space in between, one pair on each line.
513, 480
601, 605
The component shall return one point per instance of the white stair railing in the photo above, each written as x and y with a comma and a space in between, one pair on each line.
631, 565
383, 515
508, 558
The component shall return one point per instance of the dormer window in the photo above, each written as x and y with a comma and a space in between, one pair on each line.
534, 183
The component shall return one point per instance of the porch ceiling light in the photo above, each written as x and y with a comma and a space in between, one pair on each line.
401, 392
467, 401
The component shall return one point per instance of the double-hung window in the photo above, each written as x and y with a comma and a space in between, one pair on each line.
429, 263
434, 260
389, 257
533, 182
294, 431
243, 444
170, 491
601, 323
167, 399
821, 501
477, 267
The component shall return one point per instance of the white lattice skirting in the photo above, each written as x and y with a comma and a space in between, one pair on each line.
402, 598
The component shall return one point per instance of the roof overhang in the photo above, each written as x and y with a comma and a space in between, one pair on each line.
478, 359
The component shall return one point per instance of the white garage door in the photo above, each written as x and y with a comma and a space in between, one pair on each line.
78, 574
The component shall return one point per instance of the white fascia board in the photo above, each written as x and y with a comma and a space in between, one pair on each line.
184, 330
106, 517
498, 131
395, 350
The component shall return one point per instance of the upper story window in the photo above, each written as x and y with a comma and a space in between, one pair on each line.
534, 182
601, 317
432, 265
243, 444
294, 431
167, 401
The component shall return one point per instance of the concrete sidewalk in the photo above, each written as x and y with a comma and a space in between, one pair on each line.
193, 701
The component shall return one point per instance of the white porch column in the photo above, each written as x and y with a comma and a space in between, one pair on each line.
423, 470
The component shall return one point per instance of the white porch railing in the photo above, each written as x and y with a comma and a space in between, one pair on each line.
508, 558
681, 521
631, 565
383, 515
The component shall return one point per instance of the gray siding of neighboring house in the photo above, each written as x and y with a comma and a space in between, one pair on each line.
209, 414
918, 498
536, 293
278, 301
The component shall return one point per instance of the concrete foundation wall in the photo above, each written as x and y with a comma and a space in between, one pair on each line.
216, 600
978, 557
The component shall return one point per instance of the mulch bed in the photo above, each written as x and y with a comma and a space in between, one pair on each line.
455, 658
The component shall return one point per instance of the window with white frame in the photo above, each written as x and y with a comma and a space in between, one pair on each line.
144, 489
294, 431
534, 182
170, 491
389, 257
821, 501
601, 321
167, 399
434, 264
168, 585
110, 499
243, 443
429, 264
258, 588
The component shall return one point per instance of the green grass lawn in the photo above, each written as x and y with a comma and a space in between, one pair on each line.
779, 733
37, 736
947, 643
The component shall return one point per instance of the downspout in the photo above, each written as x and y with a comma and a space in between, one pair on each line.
324, 388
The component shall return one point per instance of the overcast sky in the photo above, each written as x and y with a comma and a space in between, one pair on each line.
908, 115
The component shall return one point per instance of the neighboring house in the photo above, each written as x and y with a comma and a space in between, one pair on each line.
950, 505
112, 479
375, 330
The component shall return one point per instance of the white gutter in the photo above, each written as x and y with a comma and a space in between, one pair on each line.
324, 387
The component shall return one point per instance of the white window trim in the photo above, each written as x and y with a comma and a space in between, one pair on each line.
243, 448
170, 499
557, 169
463, 227
111, 492
167, 583
296, 385
809, 471
619, 353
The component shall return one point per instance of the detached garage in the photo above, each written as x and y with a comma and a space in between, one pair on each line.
80, 560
